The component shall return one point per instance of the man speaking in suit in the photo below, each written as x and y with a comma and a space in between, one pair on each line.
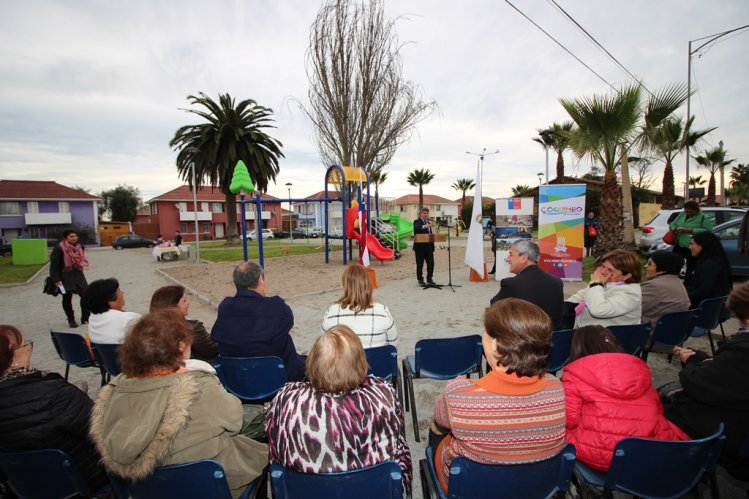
424, 251
530, 282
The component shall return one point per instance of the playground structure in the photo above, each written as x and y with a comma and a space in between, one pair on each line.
385, 243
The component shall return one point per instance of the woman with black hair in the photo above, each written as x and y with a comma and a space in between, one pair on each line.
109, 321
663, 292
712, 273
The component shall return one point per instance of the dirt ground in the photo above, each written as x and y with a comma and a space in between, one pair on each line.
309, 286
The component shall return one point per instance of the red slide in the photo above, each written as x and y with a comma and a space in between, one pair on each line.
376, 249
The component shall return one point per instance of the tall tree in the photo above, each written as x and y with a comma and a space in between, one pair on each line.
463, 185
121, 203
740, 174
360, 105
668, 140
714, 160
378, 177
560, 144
602, 124
230, 133
420, 178
697, 181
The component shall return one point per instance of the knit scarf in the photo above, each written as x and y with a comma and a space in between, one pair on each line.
73, 257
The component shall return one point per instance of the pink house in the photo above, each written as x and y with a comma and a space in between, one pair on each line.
175, 211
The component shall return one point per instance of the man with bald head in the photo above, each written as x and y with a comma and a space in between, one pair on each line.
251, 324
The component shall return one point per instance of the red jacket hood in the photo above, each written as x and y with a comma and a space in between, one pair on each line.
618, 375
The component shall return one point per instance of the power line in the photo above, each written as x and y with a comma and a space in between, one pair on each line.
563, 47
591, 38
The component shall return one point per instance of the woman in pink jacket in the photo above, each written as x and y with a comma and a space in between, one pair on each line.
609, 396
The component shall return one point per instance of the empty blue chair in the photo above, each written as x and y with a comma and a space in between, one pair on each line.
47, 473
632, 338
383, 362
382, 481
443, 358
561, 345
72, 348
709, 315
197, 480
657, 468
671, 330
251, 379
522, 481
108, 357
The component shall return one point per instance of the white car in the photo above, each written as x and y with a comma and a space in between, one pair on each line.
655, 229
267, 234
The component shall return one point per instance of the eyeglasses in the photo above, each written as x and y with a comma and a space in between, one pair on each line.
29, 344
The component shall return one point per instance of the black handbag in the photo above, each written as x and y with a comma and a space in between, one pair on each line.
50, 288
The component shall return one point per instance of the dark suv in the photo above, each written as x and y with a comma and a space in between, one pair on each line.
132, 241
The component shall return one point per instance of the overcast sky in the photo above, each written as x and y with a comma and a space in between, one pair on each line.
91, 92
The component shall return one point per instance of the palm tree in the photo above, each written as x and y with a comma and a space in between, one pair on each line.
740, 174
560, 143
602, 124
668, 140
463, 185
420, 178
522, 191
714, 160
696, 181
378, 177
229, 133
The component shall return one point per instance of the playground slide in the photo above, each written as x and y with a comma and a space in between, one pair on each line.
376, 249
403, 228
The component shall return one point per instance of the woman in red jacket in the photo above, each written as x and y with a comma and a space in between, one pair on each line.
609, 396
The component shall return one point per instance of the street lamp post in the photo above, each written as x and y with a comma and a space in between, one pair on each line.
192, 150
291, 233
690, 53
540, 176
481, 156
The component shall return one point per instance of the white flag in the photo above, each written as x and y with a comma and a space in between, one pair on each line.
363, 241
475, 244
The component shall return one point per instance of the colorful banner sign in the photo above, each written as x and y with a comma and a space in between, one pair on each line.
561, 219
514, 221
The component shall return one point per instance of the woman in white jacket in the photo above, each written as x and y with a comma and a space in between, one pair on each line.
613, 296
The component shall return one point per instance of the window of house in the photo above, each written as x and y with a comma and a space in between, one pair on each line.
206, 227
203, 206
182, 206
63, 207
155, 209
437, 207
35, 232
183, 227
218, 207
32, 207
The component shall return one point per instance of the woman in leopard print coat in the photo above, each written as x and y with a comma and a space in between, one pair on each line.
341, 419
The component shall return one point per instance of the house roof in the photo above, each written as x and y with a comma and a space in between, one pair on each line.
184, 193
484, 199
41, 189
428, 199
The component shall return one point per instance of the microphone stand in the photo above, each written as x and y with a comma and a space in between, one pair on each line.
449, 263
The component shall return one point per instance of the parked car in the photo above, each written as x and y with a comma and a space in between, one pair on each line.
728, 234
132, 241
313, 231
267, 234
656, 228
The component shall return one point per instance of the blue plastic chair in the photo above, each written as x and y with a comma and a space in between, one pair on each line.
468, 478
561, 345
443, 358
632, 338
72, 348
47, 473
195, 480
645, 467
381, 481
670, 330
383, 363
251, 379
709, 315
108, 357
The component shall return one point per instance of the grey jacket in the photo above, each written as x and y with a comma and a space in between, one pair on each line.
662, 294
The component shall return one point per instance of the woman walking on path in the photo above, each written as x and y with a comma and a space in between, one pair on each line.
67, 263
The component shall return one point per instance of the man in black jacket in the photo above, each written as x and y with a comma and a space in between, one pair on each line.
531, 283
424, 251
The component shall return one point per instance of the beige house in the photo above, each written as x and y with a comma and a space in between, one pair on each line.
440, 209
